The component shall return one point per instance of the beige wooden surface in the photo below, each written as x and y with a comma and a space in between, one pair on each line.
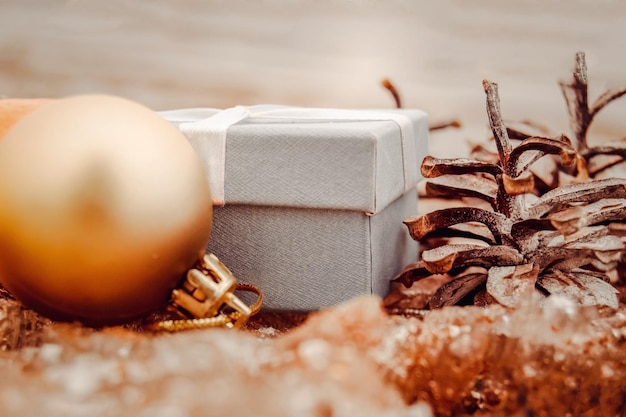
329, 53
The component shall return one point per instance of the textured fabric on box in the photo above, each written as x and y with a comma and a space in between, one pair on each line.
306, 259
314, 198
305, 150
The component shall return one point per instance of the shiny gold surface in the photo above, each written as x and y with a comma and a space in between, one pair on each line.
208, 295
104, 208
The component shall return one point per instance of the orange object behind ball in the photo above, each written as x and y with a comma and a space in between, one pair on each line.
104, 206
13, 109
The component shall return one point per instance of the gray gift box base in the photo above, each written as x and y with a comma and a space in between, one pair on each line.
305, 259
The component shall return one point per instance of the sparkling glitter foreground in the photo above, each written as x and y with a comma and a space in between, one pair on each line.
353, 360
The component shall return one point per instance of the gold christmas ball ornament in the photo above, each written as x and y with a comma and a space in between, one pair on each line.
103, 208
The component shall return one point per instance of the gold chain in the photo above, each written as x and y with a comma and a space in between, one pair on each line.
206, 294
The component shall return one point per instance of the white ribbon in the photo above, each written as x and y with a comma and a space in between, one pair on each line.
208, 135
208, 138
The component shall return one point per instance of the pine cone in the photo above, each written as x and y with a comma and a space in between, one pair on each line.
599, 158
567, 240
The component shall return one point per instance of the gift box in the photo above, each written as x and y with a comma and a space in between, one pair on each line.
309, 203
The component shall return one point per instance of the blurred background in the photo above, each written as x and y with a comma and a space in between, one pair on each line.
325, 53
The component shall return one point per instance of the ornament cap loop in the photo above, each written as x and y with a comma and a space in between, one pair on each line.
208, 293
